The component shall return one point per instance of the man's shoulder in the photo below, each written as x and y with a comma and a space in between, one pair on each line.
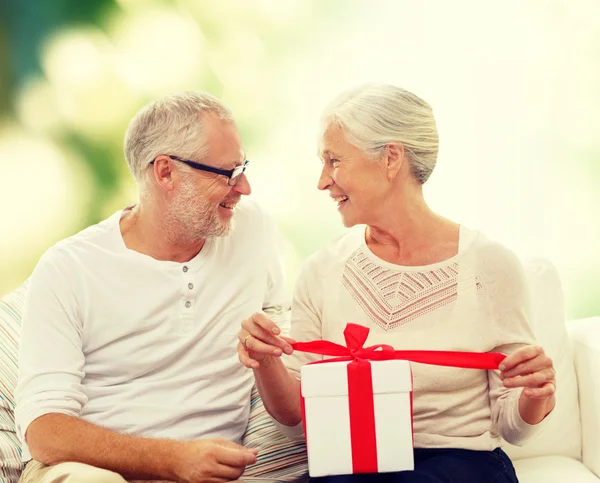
88, 242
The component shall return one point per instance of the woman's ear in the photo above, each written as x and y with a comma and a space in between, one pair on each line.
394, 158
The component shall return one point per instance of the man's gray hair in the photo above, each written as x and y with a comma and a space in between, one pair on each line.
375, 115
170, 125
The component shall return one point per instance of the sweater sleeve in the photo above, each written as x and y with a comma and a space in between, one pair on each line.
51, 358
306, 315
306, 326
511, 313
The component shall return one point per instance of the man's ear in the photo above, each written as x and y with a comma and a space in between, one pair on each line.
163, 172
394, 158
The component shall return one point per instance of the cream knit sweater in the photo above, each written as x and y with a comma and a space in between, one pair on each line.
475, 301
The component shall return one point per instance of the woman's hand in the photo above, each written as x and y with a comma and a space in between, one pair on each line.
260, 340
530, 368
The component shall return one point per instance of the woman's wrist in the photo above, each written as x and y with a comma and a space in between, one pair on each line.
534, 411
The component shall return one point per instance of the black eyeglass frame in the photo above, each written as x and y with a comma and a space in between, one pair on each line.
232, 175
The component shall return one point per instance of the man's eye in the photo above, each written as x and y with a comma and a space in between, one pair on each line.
334, 161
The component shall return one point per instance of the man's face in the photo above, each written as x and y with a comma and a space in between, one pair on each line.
204, 203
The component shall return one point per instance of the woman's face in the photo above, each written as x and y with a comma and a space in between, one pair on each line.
354, 181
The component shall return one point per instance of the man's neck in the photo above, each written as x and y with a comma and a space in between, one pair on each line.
145, 233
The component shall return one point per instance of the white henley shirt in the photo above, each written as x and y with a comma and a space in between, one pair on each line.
143, 346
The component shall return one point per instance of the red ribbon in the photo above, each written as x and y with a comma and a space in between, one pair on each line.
360, 382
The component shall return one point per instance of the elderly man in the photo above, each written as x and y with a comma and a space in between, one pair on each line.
128, 361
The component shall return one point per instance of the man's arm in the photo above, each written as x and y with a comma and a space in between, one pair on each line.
56, 438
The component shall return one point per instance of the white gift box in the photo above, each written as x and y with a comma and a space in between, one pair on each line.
327, 417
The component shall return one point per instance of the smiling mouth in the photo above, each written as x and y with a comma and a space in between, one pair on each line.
340, 200
229, 206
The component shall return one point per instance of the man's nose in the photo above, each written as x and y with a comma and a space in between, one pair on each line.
243, 185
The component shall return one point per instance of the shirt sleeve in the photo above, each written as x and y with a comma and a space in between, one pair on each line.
511, 312
51, 358
277, 300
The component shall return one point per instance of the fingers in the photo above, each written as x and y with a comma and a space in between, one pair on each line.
245, 358
263, 321
530, 368
230, 444
519, 356
535, 379
259, 334
235, 457
257, 345
289, 340
544, 392
540, 362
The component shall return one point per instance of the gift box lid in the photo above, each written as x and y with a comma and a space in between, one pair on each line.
331, 379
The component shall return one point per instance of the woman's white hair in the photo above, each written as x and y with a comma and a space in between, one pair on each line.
170, 125
375, 115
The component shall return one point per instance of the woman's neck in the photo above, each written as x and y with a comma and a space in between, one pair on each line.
413, 235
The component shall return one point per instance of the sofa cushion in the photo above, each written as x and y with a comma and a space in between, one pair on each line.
279, 458
11, 309
585, 339
561, 434
553, 469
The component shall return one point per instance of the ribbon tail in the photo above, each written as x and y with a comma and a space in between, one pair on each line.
321, 347
362, 417
465, 360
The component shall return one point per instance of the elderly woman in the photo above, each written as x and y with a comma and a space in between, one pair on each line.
419, 281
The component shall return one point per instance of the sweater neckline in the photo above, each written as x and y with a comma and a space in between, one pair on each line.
466, 238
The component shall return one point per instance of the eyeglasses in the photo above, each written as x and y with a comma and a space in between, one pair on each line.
233, 175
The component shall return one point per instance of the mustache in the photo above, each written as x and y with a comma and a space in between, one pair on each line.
233, 199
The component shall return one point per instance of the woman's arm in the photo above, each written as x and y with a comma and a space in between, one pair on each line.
276, 366
522, 392
260, 348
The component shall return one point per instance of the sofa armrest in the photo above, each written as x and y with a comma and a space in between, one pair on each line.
585, 338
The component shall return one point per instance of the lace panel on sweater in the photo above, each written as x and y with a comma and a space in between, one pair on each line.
393, 297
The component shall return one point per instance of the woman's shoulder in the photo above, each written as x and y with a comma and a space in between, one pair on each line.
491, 258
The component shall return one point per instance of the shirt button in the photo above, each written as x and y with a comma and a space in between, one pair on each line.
185, 269
190, 286
188, 304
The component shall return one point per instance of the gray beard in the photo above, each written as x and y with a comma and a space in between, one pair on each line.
190, 218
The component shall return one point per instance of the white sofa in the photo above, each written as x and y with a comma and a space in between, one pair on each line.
567, 450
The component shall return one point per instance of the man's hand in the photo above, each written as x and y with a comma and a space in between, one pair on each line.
212, 461
260, 339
